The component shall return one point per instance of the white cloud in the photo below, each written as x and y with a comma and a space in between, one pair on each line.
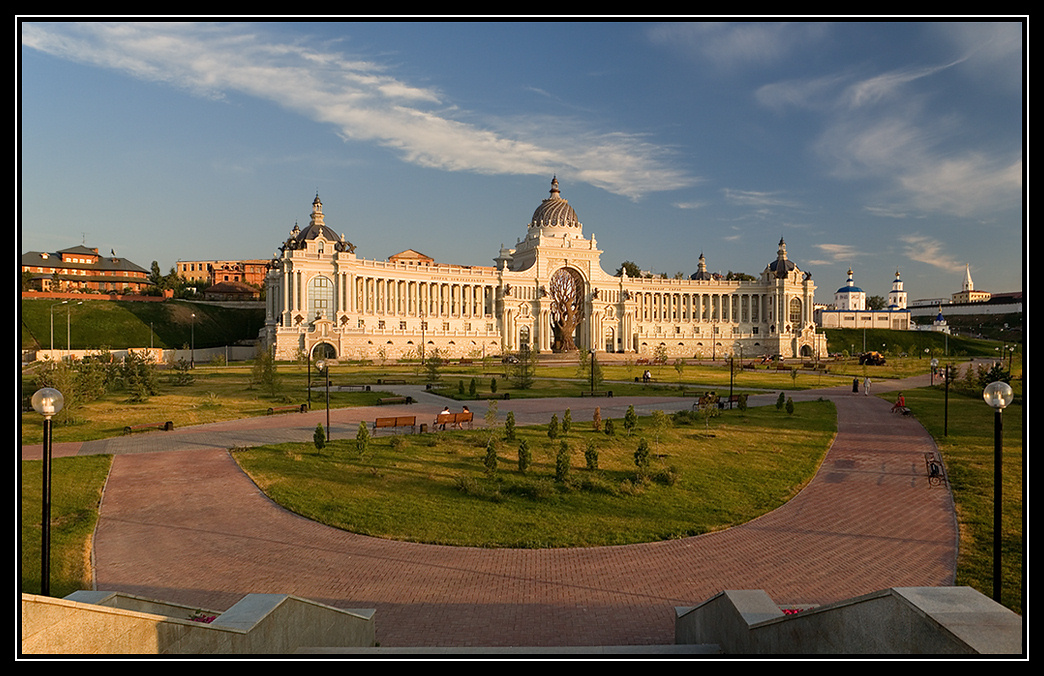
359, 99
731, 45
928, 250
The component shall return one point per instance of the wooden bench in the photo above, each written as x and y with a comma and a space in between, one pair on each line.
148, 426
391, 381
642, 360
394, 400
733, 399
397, 421
296, 407
454, 419
585, 393
354, 388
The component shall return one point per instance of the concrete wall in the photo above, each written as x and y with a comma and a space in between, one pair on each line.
899, 621
103, 623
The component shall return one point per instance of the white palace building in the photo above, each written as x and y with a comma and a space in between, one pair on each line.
549, 292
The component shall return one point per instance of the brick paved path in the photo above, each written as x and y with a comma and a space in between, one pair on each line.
188, 526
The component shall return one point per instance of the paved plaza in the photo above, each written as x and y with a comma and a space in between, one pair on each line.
181, 522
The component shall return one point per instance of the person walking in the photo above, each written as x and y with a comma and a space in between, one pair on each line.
866, 386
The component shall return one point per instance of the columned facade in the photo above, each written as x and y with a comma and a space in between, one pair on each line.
549, 292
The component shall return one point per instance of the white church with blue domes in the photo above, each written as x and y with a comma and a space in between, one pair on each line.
849, 310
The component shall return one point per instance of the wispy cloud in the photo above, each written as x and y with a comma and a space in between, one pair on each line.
761, 199
929, 250
883, 128
360, 99
734, 45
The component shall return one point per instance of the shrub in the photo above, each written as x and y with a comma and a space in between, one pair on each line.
319, 438
597, 420
742, 403
562, 462
630, 420
567, 421
610, 428
591, 456
641, 457
473, 388
780, 401
790, 406
552, 427
524, 456
509, 426
490, 461
493, 385
362, 438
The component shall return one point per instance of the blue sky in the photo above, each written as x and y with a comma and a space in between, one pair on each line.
870, 145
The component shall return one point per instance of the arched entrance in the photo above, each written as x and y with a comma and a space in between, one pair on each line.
323, 351
567, 308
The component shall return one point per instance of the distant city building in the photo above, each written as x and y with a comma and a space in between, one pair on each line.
548, 292
81, 268
849, 310
968, 294
214, 272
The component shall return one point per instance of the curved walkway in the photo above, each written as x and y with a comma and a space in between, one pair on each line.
190, 527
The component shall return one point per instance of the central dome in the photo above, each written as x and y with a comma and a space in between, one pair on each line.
554, 216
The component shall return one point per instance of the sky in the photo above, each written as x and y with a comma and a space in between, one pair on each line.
877, 146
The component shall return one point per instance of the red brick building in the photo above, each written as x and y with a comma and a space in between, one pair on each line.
81, 268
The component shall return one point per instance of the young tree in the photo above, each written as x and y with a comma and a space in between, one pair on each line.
597, 420
362, 439
509, 426
552, 427
490, 461
641, 457
263, 374
562, 462
524, 456
591, 456
567, 422
319, 438
630, 420
521, 371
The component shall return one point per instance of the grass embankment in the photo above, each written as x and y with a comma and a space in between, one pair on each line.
436, 488
965, 439
76, 489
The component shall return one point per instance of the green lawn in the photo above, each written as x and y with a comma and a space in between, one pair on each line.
76, 489
965, 438
436, 489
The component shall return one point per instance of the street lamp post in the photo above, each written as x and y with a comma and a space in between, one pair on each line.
192, 354
998, 395
47, 402
68, 329
324, 368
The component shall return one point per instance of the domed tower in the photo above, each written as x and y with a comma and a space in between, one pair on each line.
554, 225
850, 296
897, 297
554, 217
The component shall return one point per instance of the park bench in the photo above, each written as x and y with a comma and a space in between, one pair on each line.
354, 388
606, 393
732, 399
391, 381
397, 421
642, 360
704, 402
394, 400
454, 419
168, 425
936, 475
296, 407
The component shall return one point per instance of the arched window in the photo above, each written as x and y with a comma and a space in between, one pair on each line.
320, 297
795, 312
